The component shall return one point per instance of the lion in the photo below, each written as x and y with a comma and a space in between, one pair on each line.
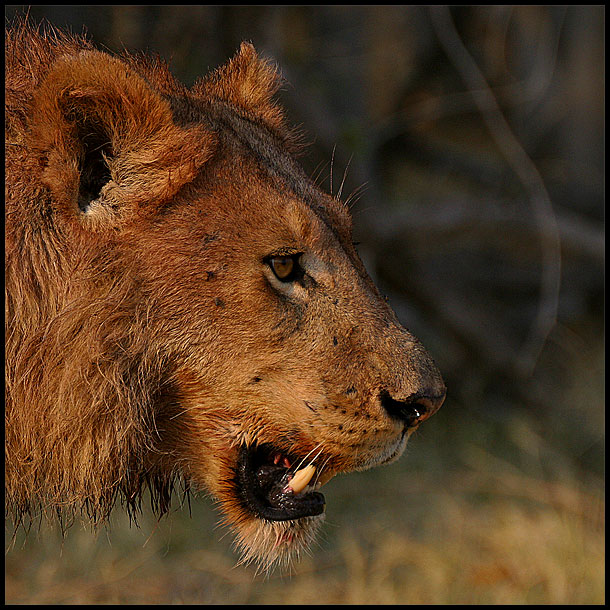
183, 303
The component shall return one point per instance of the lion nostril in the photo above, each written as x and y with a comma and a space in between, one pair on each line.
411, 411
408, 411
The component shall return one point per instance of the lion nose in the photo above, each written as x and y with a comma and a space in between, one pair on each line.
414, 409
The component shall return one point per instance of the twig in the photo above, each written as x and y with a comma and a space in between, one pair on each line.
527, 173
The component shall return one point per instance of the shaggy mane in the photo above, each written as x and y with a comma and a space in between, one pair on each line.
81, 379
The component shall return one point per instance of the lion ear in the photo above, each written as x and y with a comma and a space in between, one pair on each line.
247, 82
108, 143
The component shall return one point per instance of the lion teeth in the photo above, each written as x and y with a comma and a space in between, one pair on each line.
278, 458
301, 478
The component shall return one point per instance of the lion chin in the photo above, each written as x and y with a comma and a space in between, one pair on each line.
271, 498
277, 544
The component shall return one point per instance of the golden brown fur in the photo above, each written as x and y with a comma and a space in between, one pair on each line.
147, 338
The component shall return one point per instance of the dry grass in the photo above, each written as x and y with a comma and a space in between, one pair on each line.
471, 525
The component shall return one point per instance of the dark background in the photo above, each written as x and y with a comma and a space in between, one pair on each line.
470, 143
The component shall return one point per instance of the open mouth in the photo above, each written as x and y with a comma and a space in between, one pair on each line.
276, 486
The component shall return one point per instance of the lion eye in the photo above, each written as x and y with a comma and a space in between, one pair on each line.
285, 268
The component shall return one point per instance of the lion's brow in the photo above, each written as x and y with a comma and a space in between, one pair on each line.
272, 156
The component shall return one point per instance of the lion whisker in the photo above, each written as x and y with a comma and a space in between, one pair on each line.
312, 461
320, 470
340, 191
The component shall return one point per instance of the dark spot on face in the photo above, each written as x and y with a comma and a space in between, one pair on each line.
309, 406
335, 341
340, 426
209, 275
210, 238
256, 379
350, 390
219, 302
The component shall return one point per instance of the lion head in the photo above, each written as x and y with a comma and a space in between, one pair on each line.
184, 301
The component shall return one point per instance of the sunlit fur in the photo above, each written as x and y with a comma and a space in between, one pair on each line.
146, 338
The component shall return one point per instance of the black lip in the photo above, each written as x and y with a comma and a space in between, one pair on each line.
261, 486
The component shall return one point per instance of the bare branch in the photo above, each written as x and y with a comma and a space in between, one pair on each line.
527, 173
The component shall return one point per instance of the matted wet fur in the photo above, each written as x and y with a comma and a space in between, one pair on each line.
182, 302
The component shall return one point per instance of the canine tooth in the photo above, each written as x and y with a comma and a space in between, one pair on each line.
301, 478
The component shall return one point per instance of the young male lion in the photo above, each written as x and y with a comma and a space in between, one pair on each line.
182, 301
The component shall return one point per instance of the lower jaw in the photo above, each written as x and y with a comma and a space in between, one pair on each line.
275, 544
278, 543
266, 544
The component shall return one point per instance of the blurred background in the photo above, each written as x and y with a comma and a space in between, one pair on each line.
470, 144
